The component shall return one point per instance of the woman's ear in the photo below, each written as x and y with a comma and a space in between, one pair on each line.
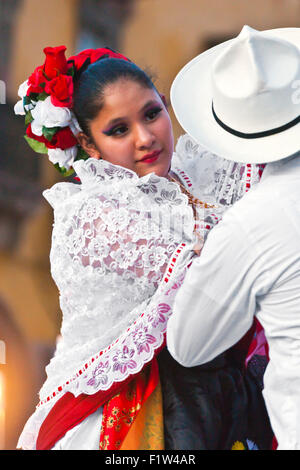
88, 146
163, 98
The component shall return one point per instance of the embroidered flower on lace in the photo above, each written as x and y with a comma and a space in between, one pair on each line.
97, 248
122, 360
100, 374
150, 187
168, 197
141, 228
191, 148
114, 171
76, 240
116, 220
142, 339
157, 314
92, 209
154, 256
126, 255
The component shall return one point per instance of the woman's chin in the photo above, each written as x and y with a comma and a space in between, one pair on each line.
158, 169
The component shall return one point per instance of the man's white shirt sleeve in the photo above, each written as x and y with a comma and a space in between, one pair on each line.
215, 306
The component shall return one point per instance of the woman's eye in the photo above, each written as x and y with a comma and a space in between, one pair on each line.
152, 113
116, 131
120, 130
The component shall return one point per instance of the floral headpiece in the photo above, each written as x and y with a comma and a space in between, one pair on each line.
47, 101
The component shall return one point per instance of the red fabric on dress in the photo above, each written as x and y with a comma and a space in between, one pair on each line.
69, 411
120, 412
274, 443
259, 344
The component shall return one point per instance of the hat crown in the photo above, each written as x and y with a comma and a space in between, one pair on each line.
252, 82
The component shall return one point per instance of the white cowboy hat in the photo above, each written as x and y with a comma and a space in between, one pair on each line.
241, 99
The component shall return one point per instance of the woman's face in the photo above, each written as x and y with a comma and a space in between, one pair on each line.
133, 129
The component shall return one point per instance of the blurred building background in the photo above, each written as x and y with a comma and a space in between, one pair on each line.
159, 35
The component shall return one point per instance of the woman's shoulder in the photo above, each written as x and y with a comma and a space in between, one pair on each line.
60, 193
94, 178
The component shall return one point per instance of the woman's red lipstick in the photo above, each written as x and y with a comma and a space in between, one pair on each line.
151, 157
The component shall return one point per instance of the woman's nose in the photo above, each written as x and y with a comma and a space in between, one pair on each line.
144, 138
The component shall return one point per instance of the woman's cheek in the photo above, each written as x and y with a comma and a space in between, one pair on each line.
168, 132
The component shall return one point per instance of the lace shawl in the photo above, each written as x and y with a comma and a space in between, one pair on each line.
120, 249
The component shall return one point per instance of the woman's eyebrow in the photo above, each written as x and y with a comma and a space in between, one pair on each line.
116, 120
112, 123
123, 118
149, 103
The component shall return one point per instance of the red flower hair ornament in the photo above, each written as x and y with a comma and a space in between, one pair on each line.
47, 101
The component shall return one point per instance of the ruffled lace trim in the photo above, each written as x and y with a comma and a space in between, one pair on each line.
117, 180
103, 172
60, 193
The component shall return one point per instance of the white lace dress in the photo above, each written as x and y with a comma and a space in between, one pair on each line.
120, 249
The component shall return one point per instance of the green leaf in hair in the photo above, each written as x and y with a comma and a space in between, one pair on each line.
48, 132
38, 147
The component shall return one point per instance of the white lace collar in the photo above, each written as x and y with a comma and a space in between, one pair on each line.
101, 171
115, 180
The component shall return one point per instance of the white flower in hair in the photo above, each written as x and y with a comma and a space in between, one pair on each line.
65, 158
22, 91
19, 108
23, 88
74, 125
48, 115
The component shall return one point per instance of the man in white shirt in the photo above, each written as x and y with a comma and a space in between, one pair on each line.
250, 263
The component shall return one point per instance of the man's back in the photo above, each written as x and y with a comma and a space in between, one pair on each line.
271, 217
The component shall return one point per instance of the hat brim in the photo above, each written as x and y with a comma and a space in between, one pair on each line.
191, 98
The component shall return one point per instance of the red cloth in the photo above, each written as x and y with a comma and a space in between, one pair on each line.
120, 412
253, 342
69, 411
274, 443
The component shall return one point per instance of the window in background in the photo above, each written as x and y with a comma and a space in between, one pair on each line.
101, 22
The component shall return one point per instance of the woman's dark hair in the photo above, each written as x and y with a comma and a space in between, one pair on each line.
89, 89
